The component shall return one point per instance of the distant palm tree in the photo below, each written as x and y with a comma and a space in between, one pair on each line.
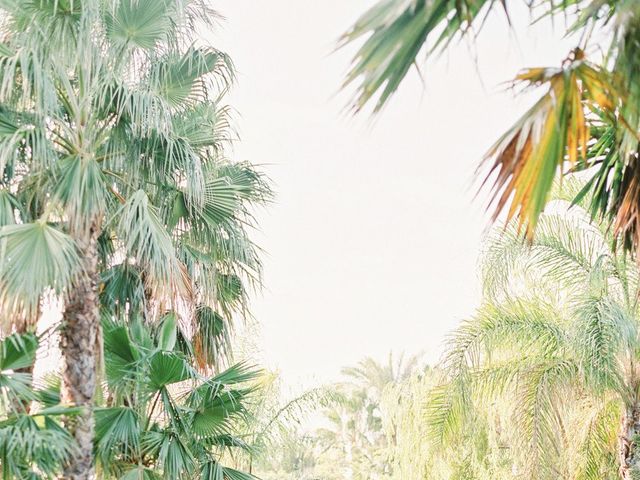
371, 374
557, 340
588, 117
114, 187
355, 433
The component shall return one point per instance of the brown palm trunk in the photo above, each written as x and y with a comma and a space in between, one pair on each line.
79, 345
628, 452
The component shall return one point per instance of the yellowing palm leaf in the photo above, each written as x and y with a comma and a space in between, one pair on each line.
553, 134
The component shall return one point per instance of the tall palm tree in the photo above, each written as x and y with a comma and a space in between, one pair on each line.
587, 118
556, 341
114, 179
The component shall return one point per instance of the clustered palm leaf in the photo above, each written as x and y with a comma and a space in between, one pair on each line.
556, 342
588, 117
159, 418
162, 418
115, 191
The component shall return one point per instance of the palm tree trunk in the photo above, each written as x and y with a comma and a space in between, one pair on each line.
79, 345
628, 452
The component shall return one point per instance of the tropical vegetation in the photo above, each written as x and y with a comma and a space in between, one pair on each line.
117, 199
555, 343
541, 383
33, 442
119, 204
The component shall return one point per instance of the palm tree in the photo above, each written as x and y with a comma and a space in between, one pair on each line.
556, 342
354, 444
114, 184
375, 376
587, 119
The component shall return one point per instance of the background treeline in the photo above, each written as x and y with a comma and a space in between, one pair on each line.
541, 383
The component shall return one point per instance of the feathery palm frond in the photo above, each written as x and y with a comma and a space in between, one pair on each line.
560, 363
526, 159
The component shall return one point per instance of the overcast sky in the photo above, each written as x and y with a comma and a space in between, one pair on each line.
373, 240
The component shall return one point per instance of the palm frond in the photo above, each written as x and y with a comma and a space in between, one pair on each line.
146, 239
9, 208
33, 445
212, 337
141, 23
179, 79
602, 332
34, 257
541, 389
527, 158
81, 188
447, 409
598, 445
117, 433
397, 31
530, 325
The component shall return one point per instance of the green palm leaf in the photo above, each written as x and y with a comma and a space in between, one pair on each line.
147, 240
179, 78
117, 432
396, 32
138, 22
167, 368
33, 257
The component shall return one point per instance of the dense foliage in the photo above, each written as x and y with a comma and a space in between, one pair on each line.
117, 198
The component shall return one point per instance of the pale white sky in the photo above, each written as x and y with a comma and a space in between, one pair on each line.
373, 240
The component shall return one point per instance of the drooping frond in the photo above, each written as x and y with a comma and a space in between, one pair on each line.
530, 325
448, 408
147, 240
33, 447
539, 394
527, 158
212, 337
397, 30
81, 188
567, 246
597, 459
603, 332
